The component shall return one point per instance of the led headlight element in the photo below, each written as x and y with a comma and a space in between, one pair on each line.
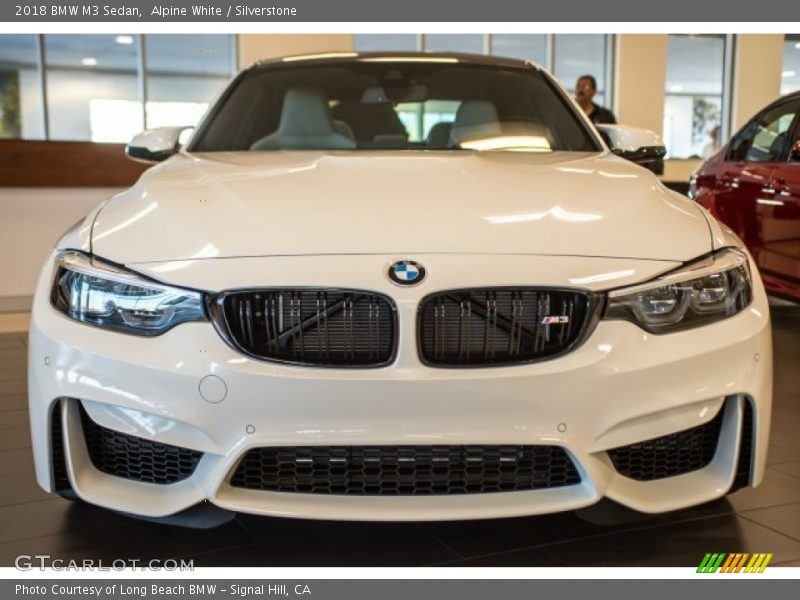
702, 292
95, 292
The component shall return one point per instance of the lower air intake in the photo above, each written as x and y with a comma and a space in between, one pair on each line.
744, 463
405, 470
674, 454
135, 458
60, 478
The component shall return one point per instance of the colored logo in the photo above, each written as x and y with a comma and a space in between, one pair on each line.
406, 272
555, 320
720, 562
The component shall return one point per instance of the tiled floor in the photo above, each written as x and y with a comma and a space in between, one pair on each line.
763, 520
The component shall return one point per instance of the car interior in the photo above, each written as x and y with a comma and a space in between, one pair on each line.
391, 108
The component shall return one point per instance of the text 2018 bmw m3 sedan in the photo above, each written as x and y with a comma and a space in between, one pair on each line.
398, 287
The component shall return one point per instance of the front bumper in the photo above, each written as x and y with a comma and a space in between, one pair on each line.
621, 387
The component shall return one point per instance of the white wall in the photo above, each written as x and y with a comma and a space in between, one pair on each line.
254, 47
640, 67
757, 77
32, 220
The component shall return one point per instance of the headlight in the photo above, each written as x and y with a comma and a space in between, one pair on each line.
702, 292
94, 292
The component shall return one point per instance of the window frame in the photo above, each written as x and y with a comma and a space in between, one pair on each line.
793, 130
608, 66
202, 128
140, 42
729, 51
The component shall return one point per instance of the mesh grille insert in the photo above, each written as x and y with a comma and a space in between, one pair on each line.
743, 465
134, 458
670, 455
60, 478
501, 326
405, 470
315, 327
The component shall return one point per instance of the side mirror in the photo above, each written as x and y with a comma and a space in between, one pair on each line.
642, 146
155, 145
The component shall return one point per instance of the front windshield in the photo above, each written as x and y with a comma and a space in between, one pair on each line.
376, 104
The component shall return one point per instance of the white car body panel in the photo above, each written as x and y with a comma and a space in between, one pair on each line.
630, 139
299, 202
444, 271
678, 381
240, 220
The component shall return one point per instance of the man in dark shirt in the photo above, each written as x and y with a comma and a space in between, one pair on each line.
585, 90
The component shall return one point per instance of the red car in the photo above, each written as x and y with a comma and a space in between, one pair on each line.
753, 186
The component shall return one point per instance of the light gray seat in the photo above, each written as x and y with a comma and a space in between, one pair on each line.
440, 135
305, 124
475, 119
343, 128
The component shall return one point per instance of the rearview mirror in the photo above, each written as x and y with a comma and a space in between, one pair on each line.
641, 146
155, 145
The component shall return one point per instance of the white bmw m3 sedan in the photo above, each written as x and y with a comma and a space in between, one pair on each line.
398, 287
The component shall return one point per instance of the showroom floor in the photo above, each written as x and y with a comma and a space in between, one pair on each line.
762, 520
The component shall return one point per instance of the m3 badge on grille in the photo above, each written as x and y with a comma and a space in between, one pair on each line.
555, 320
406, 272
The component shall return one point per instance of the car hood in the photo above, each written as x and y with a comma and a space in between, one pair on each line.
398, 203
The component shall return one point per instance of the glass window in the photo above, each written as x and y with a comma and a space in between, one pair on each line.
575, 54
582, 54
92, 87
525, 46
766, 138
426, 121
378, 42
694, 102
790, 76
455, 42
20, 91
394, 106
184, 74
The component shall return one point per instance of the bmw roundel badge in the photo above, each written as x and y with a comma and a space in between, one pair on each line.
406, 272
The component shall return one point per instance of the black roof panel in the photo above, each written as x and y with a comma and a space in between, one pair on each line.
348, 57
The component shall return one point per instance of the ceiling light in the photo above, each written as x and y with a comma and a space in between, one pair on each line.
89, 61
787, 74
124, 39
676, 88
